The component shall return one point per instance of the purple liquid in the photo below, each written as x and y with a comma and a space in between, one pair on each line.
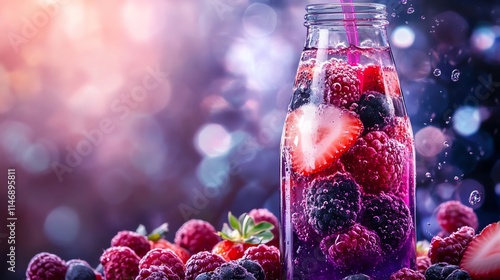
350, 27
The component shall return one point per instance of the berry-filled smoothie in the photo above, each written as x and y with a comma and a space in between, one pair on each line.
347, 168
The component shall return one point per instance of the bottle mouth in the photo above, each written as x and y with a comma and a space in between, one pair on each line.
359, 14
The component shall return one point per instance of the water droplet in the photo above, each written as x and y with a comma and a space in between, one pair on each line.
428, 224
404, 2
446, 144
393, 15
437, 72
475, 197
410, 10
455, 75
422, 17
456, 178
427, 174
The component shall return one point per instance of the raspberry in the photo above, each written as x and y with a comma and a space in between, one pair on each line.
371, 79
452, 215
120, 263
135, 241
407, 274
450, 249
332, 203
459, 274
439, 271
182, 253
80, 272
46, 266
390, 218
374, 110
358, 276
264, 215
399, 130
196, 236
375, 162
163, 257
154, 272
358, 247
232, 270
342, 85
391, 81
423, 263
202, 262
268, 257
254, 268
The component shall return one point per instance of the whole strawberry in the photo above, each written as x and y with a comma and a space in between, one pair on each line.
264, 215
196, 236
268, 257
242, 234
163, 257
452, 215
202, 262
46, 266
135, 241
120, 263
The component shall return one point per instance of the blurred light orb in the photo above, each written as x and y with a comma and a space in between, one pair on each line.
36, 158
259, 20
466, 120
445, 190
429, 141
403, 37
140, 20
214, 172
62, 226
14, 137
213, 140
483, 38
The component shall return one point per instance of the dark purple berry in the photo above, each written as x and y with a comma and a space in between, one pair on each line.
374, 110
80, 272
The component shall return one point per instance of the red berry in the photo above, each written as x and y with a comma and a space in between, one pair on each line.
358, 247
314, 144
202, 262
423, 263
154, 272
342, 85
372, 79
305, 73
230, 250
481, 258
268, 257
120, 263
450, 249
135, 241
264, 215
163, 257
182, 253
407, 274
196, 236
46, 266
400, 130
452, 215
376, 162
391, 81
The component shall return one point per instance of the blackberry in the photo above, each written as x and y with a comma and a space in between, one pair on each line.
253, 267
204, 276
232, 271
374, 110
332, 203
459, 274
300, 97
390, 218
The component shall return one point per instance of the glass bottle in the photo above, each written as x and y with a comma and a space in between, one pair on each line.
347, 156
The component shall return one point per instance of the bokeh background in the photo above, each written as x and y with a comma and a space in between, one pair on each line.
120, 113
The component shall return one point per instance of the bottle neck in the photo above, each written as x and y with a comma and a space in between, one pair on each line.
343, 25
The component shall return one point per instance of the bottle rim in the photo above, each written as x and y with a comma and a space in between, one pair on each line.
359, 14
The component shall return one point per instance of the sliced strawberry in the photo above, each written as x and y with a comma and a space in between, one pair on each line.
372, 79
482, 256
317, 136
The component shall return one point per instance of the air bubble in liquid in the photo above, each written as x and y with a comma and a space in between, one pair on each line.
455, 75
437, 72
404, 2
422, 17
410, 10
475, 197
456, 178
427, 174
446, 144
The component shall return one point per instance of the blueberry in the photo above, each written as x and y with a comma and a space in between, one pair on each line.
459, 274
232, 271
439, 271
357, 277
80, 272
374, 110
300, 97
204, 276
254, 268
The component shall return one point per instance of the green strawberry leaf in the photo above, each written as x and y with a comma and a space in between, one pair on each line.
265, 236
233, 221
260, 227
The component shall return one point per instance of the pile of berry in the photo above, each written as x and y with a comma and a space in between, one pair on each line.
248, 250
198, 253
